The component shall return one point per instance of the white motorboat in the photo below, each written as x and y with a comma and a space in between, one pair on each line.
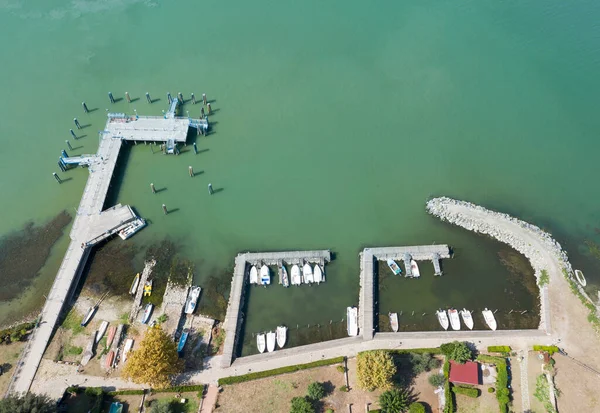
253, 275
318, 274
394, 321
127, 348
394, 267
271, 338
467, 318
414, 268
352, 321
89, 315
132, 228
285, 280
442, 318
490, 320
192, 300
261, 342
147, 313
308, 274
281, 336
296, 276
135, 284
454, 319
265, 275
101, 331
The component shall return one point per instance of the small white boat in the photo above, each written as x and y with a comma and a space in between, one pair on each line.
265, 275
127, 348
296, 276
454, 319
285, 280
580, 278
132, 228
394, 267
281, 336
261, 342
101, 331
135, 284
253, 275
192, 300
271, 338
308, 274
318, 274
442, 318
490, 320
414, 269
352, 321
394, 321
88, 316
147, 313
467, 318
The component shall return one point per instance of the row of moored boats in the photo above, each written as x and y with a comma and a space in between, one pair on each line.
267, 341
307, 274
395, 268
451, 318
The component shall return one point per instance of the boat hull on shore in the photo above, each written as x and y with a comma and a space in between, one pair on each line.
183, 340
101, 331
135, 284
147, 313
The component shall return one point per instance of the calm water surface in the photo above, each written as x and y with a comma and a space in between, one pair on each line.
334, 122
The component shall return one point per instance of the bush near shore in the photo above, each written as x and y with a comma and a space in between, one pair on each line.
276, 372
16, 333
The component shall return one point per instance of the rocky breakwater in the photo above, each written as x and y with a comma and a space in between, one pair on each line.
544, 252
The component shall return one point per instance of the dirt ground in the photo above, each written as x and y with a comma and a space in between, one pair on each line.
579, 387
9, 355
273, 394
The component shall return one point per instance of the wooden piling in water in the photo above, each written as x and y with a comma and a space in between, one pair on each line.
191, 171
57, 177
148, 98
127, 97
110, 97
153, 188
164, 208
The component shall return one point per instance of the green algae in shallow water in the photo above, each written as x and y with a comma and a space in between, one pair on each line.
24, 253
111, 269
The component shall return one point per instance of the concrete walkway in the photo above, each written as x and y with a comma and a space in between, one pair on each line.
210, 399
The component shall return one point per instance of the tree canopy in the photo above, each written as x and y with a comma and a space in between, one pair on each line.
394, 401
162, 406
155, 362
375, 370
416, 407
301, 405
436, 380
28, 403
316, 390
457, 351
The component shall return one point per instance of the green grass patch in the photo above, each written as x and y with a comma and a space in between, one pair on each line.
548, 349
544, 279
542, 393
124, 319
73, 322
282, 370
74, 351
499, 349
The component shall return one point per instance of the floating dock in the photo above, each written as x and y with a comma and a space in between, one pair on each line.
233, 318
92, 223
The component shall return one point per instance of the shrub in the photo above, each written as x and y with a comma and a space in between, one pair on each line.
457, 351
544, 278
437, 380
94, 391
491, 390
341, 369
394, 401
416, 407
329, 411
502, 391
467, 391
275, 372
301, 405
449, 407
422, 362
316, 391
499, 349
548, 349
125, 392
344, 388
446, 369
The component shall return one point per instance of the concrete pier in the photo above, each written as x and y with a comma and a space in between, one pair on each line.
242, 262
92, 223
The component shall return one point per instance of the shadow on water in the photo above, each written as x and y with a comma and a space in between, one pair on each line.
117, 180
172, 211
133, 100
216, 191
63, 180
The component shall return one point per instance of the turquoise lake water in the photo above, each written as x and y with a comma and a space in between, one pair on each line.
334, 123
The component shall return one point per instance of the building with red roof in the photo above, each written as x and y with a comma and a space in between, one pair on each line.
467, 373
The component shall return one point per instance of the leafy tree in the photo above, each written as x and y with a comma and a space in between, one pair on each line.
394, 401
416, 407
437, 380
28, 403
422, 362
316, 390
457, 351
301, 405
155, 362
375, 369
